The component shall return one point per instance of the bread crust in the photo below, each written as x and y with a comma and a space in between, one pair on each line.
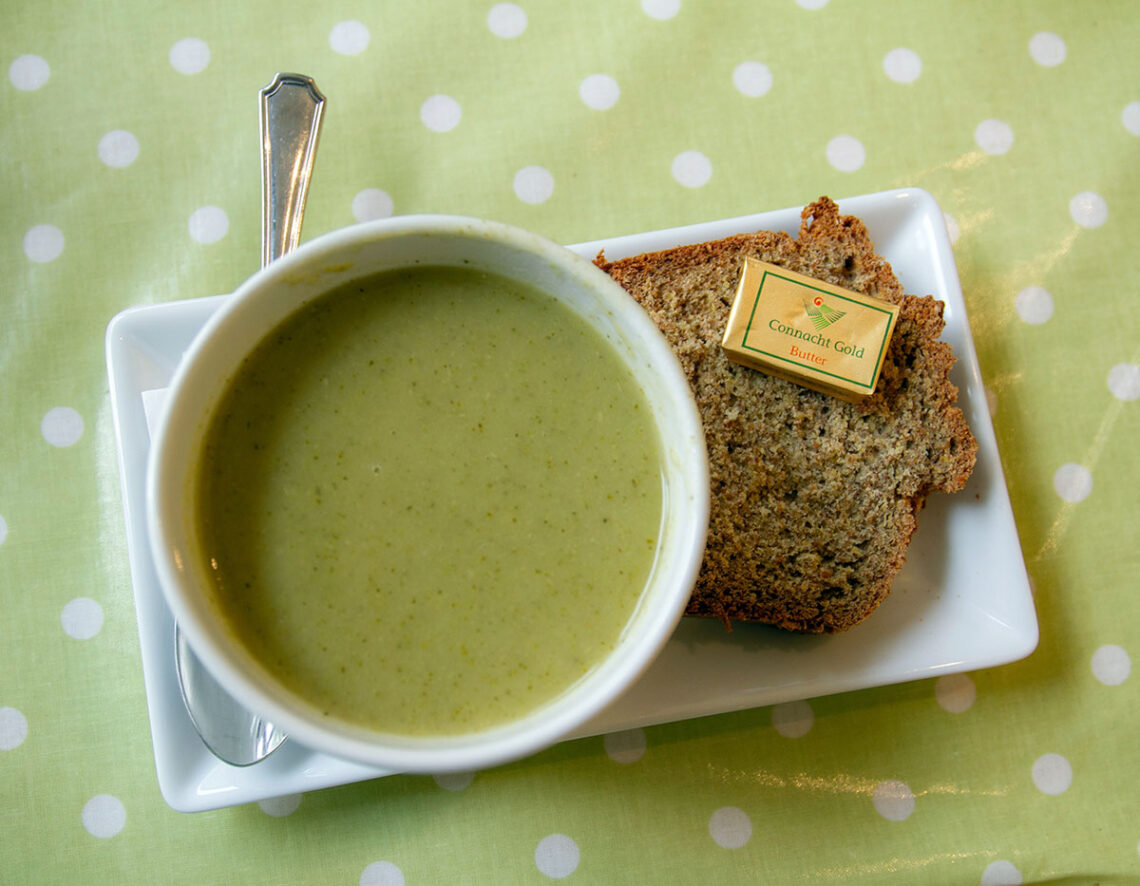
814, 499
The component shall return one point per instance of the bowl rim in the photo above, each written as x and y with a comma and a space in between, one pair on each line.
171, 459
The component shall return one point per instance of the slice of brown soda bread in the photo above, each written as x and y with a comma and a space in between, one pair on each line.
814, 499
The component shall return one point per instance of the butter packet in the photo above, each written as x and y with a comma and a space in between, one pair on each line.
809, 332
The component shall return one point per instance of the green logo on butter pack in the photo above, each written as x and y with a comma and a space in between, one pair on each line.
821, 315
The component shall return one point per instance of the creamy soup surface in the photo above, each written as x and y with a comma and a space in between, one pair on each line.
433, 499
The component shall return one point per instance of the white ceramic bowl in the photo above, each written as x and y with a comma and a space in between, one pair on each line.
321, 265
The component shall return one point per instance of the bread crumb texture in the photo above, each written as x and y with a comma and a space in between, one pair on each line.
814, 499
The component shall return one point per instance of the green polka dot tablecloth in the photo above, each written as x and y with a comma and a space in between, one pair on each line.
130, 177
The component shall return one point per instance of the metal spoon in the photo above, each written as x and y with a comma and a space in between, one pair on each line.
291, 108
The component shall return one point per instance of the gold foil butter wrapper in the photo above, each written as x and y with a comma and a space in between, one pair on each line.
809, 332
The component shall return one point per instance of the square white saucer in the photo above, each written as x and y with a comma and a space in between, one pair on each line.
962, 601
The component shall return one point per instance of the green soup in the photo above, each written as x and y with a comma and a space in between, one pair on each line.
431, 500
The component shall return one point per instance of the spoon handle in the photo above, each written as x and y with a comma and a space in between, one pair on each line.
291, 109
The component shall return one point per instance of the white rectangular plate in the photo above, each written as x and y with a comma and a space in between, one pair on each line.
962, 601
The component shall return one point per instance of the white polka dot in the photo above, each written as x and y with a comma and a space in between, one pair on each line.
793, 719
692, 169
599, 91
1088, 209
371, 204
730, 827
1034, 305
382, 873
118, 148
43, 243
103, 816
1001, 873
349, 37
661, 9
1130, 117
279, 807
893, 800
811, 4
1124, 381
533, 184
752, 79
82, 618
3, 529
625, 747
29, 72
902, 65
991, 402
955, 693
994, 136
953, 231
1073, 482
1111, 665
506, 20
556, 856
62, 426
440, 113
208, 224
846, 153
454, 781
13, 729
1052, 774
1047, 49
189, 56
